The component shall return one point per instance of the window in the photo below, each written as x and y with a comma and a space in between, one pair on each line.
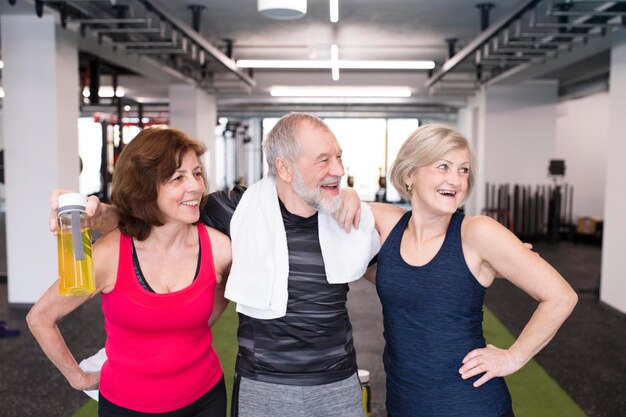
369, 148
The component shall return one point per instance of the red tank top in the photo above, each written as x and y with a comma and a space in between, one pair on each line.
160, 356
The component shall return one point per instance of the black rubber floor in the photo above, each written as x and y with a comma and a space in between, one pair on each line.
587, 357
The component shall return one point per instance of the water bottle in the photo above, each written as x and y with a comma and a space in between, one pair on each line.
74, 246
364, 378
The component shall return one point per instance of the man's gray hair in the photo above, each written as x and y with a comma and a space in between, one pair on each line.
283, 140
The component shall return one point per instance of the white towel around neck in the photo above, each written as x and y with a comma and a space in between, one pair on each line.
258, 277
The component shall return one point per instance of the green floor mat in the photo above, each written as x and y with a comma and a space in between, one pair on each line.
534, 392
225, 342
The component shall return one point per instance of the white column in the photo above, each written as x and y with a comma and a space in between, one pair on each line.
40, 79
520, 132
195, 112
613, 274
472, 125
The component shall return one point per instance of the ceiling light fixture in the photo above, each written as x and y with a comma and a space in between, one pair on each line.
334, 11
327, 64
282, 9
334, 61
105, 91
406, 65
340, 91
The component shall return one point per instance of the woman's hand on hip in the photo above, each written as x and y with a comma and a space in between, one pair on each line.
489, 361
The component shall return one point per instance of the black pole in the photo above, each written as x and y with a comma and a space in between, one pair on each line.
104, 164
94, 81
229, 49
451, 46
140, 115
484, 8
120, 114
196, 12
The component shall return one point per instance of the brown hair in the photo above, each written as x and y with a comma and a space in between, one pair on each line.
148, 161
423, 147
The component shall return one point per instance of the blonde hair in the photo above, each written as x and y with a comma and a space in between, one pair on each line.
423, 147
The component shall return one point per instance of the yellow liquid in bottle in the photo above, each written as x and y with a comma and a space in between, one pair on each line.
366, 400
75, 277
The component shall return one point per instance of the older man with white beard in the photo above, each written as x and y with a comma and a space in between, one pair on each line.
291, 265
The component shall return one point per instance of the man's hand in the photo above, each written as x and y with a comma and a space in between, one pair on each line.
349, 213
93, 210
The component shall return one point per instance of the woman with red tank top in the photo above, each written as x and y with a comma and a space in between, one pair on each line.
161, 276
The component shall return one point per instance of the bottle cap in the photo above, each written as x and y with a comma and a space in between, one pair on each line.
364, 376
72, 201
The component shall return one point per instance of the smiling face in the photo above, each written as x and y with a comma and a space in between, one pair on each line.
318, 170
441, 186
178, 198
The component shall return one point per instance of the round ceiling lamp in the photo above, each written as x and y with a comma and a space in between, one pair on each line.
282, 9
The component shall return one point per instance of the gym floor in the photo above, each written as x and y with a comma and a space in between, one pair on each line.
587, 357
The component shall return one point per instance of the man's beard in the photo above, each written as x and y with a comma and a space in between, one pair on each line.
313, 196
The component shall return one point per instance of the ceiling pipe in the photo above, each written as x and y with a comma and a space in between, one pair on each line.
485, 9
196, 12
217, 55
451, 46
471, 48
229, 47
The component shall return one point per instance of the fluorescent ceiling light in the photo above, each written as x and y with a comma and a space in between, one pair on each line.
278, 63
334, 61
105, 92
408, 65
327, 64
334, 11
340, 92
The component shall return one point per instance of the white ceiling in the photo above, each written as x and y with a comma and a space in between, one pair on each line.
367, 30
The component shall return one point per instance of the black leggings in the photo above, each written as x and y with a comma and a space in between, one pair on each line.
211, 404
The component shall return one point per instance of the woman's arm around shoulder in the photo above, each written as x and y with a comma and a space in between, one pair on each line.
386, 217
488, 247
106, 253
222, 257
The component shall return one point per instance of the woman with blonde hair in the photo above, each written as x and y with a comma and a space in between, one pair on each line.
434, 267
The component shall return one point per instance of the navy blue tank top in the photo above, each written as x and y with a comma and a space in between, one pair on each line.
432, 319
